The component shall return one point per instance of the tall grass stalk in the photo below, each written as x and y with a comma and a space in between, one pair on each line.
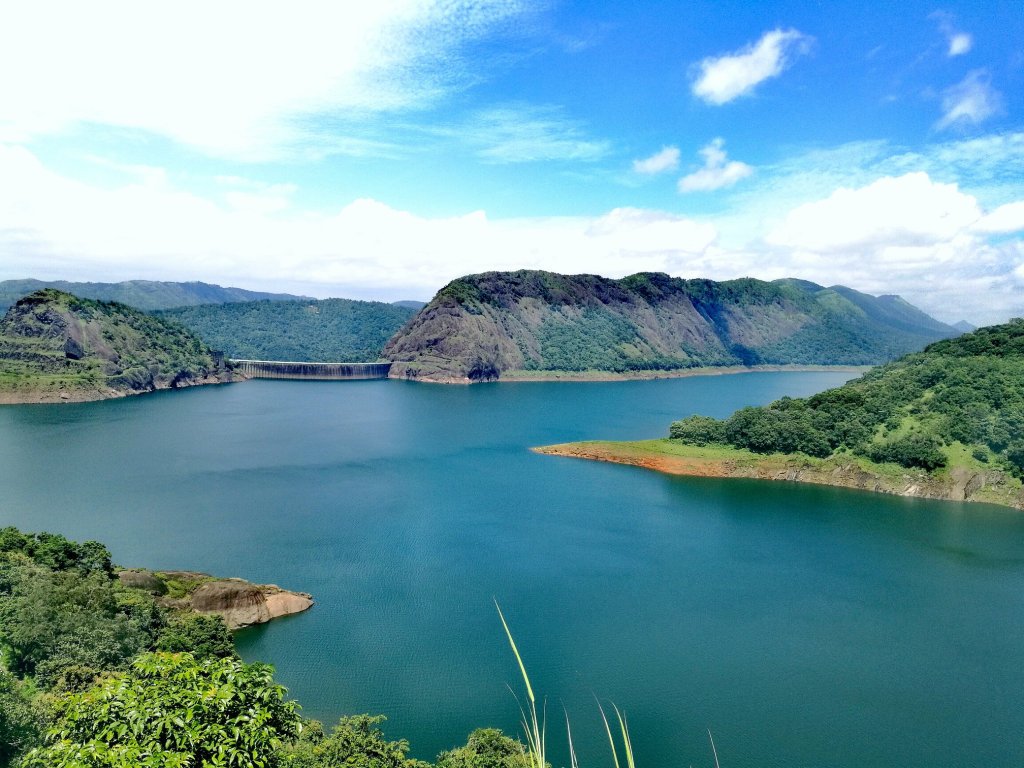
713, 750
533, 727
627, 745
574, 763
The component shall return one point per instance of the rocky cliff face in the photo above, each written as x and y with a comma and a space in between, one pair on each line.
55, 346
480, 326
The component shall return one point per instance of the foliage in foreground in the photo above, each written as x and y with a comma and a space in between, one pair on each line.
99, 675
171, 710
968, 390
355, 741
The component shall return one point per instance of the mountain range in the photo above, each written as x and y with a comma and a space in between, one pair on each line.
146, 295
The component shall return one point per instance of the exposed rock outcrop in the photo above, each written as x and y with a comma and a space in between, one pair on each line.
147, 581
240, 603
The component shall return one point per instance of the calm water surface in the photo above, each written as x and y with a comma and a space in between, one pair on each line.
804, 626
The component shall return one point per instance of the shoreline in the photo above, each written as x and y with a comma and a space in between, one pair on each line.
62, 396
668, 457
65, 396
522, 376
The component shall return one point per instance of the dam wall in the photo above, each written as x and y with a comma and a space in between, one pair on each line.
278, 369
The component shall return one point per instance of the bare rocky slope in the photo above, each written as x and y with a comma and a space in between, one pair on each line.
57, 347
480, 326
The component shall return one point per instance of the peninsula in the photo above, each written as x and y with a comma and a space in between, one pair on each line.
944, 423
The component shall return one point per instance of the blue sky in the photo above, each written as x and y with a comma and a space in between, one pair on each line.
333, 150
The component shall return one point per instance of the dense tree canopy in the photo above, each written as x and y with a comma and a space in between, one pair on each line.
968, 390
330, 330
355, 742
172, 710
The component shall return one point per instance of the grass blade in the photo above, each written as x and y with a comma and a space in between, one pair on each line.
608, 730
522, 667
573, 762
533, 729
713, 750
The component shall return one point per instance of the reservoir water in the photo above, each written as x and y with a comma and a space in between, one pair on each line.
804, 626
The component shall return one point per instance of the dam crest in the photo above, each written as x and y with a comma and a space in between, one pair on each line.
280, 369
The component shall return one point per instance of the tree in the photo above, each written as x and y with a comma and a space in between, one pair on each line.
486, 748
201, 635
171, 711
19, 723
53, 551
355, 742
55, 621
698, 430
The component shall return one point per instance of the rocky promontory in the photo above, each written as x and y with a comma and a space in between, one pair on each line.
56, 347
239, 602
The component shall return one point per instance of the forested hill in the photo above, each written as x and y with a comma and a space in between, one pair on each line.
478, 327
141, 294
329, 330
959, 403
56, 346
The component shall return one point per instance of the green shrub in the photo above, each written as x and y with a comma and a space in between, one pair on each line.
486, 748
698, 430
913, 450
171, 710
355, 742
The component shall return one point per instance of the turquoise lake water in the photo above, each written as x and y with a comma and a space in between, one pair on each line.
802, 625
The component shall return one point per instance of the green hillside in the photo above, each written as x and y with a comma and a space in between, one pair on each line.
141, 294
54, 345
957, 404
330, 330
478, 327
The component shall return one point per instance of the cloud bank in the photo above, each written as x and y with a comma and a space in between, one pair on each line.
905, 233
167, 72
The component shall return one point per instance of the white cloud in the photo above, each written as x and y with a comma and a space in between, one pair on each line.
1004, 219
665, 160
906, 211
233, 78
958, 42
910, 235
969, 102
717, 172
724, 78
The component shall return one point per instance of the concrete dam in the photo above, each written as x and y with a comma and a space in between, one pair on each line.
278, 369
